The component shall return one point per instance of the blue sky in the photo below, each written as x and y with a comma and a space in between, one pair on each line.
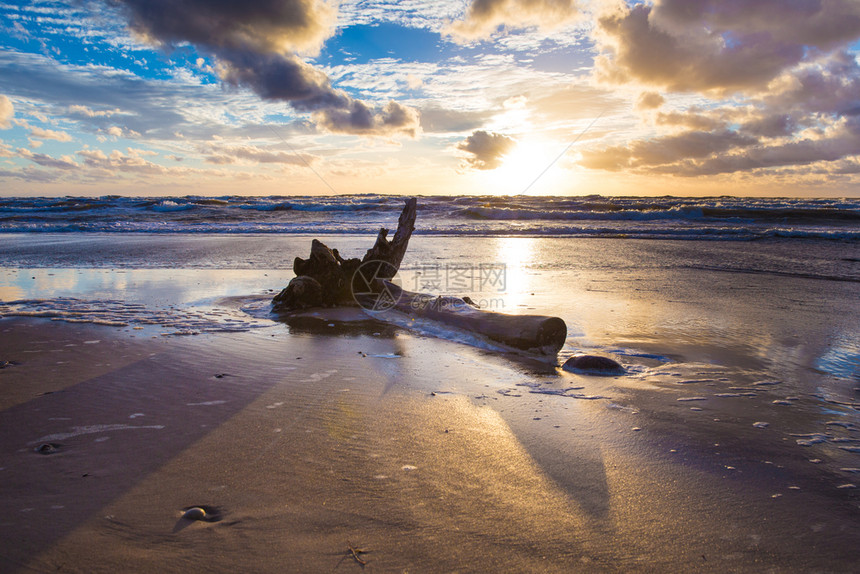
301, 97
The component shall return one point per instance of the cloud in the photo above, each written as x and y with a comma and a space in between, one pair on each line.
780, 91
46, 134
702, 153
131, 163
649, 101
487, 148
714, 45
692, 118
86, 112
263, 26
227, 155
7, 110
665, 150
485, 16
357, 118
64, 162
256, 45
435, 119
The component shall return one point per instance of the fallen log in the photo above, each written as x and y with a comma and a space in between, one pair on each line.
539, 334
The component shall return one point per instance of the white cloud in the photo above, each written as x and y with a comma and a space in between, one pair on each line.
7, 110
484, 17
47, 134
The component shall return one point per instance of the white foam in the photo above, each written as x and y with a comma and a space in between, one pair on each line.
811, 439
205, 404
92, 429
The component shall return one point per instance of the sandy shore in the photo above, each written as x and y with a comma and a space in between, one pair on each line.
731, 444
421, 454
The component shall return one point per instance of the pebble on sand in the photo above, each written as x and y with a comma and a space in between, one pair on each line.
194, 513
593, 365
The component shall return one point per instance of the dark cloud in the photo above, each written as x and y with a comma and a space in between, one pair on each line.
264, 26
357, 118
487, 149
781, 83
485, 16
831, 86
666, 150
711, 153
771, 126
720, 45
255, 45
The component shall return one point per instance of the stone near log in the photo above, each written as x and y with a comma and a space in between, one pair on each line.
593, 365
302, 292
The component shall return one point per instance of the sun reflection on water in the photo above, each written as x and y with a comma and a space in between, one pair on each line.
515, 253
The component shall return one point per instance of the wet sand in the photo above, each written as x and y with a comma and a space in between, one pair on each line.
729, 446
428, 457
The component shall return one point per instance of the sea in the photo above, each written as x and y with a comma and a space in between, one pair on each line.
710, 218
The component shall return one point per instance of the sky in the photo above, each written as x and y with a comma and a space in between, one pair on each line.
432, 97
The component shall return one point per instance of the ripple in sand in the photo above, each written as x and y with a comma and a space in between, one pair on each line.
48, 448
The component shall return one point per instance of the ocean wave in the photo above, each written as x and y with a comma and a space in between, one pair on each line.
512, 214
589, 216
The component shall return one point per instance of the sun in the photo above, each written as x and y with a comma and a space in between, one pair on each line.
530, 168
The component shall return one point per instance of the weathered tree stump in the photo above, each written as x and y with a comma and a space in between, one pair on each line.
334, 274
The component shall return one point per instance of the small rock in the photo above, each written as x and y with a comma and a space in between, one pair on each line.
194, 513
47, 448
593, 365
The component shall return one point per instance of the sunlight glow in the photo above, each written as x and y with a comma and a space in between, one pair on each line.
521, 170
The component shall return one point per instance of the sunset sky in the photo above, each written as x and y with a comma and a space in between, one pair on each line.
283, 97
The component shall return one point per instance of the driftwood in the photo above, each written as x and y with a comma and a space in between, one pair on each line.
535, 333
325, 279
336, 276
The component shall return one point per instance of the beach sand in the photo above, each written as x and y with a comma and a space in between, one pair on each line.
423, 454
